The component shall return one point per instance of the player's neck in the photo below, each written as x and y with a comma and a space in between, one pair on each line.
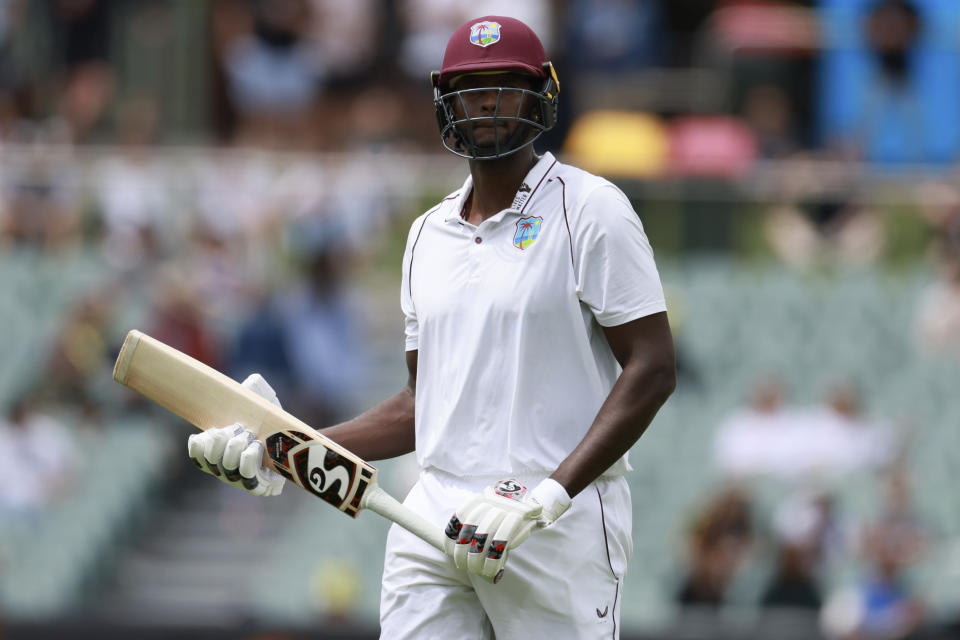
495, 183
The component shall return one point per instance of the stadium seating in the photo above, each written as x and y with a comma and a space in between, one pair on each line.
55, 558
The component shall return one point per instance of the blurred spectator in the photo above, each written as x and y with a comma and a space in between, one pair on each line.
768, 112
234, 203
322, 331
938, 314
939, 206
179, 318
43, 208
611, 36
219, 275
882, 606
132, 200
899, 532
892, 28
426, 26
720, 537
274, 76
825, 232
83, 33
891, 97
819, 221
793, 584
811, 536
260, 346
36, 458
756, 439
799, 445
841, 439
346, 35
80, 354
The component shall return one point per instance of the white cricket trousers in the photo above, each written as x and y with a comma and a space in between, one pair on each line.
565, 581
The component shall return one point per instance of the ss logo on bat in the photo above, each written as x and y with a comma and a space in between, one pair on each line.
325, 473
320, 481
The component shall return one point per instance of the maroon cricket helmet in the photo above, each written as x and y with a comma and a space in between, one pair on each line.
491, 44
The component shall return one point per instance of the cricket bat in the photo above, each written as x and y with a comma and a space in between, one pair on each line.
207, 398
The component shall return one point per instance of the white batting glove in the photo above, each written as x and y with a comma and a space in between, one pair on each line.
492, 523
234, 455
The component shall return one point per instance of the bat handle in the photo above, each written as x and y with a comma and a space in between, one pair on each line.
381, 502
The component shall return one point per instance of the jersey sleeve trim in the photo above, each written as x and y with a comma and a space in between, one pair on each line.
617, 319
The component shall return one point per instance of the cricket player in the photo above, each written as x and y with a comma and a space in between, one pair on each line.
538, 352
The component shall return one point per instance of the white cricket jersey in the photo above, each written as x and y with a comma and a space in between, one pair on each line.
506, 317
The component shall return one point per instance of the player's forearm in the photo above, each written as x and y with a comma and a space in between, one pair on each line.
384, 431
644, 348
634, 401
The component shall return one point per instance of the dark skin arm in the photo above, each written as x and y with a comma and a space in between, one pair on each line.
385, 430
644, 348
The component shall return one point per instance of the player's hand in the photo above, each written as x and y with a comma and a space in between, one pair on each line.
234, 455
490, 524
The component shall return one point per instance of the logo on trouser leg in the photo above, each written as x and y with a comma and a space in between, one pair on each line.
603, 614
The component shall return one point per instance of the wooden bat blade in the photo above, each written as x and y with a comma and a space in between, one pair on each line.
207, 398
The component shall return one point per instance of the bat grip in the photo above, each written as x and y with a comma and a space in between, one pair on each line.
382, 503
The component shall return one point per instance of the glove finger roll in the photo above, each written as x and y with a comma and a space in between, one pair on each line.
250, 465
214, 441
470, 522
195, 451
475, 553
231, 454
452, 531
496, 555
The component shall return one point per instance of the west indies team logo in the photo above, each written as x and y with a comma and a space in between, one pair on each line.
527, 231
484, 34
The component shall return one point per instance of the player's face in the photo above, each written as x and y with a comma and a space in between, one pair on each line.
484, 99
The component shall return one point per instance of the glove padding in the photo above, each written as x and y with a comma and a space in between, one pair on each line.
234, 455
492, 523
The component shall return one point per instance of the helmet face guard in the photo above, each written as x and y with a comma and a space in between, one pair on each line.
535, 113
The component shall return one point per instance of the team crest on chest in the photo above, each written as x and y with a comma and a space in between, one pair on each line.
484, 34
528, 229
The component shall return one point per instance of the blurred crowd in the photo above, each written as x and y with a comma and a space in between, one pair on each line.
781, 531
696, 87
